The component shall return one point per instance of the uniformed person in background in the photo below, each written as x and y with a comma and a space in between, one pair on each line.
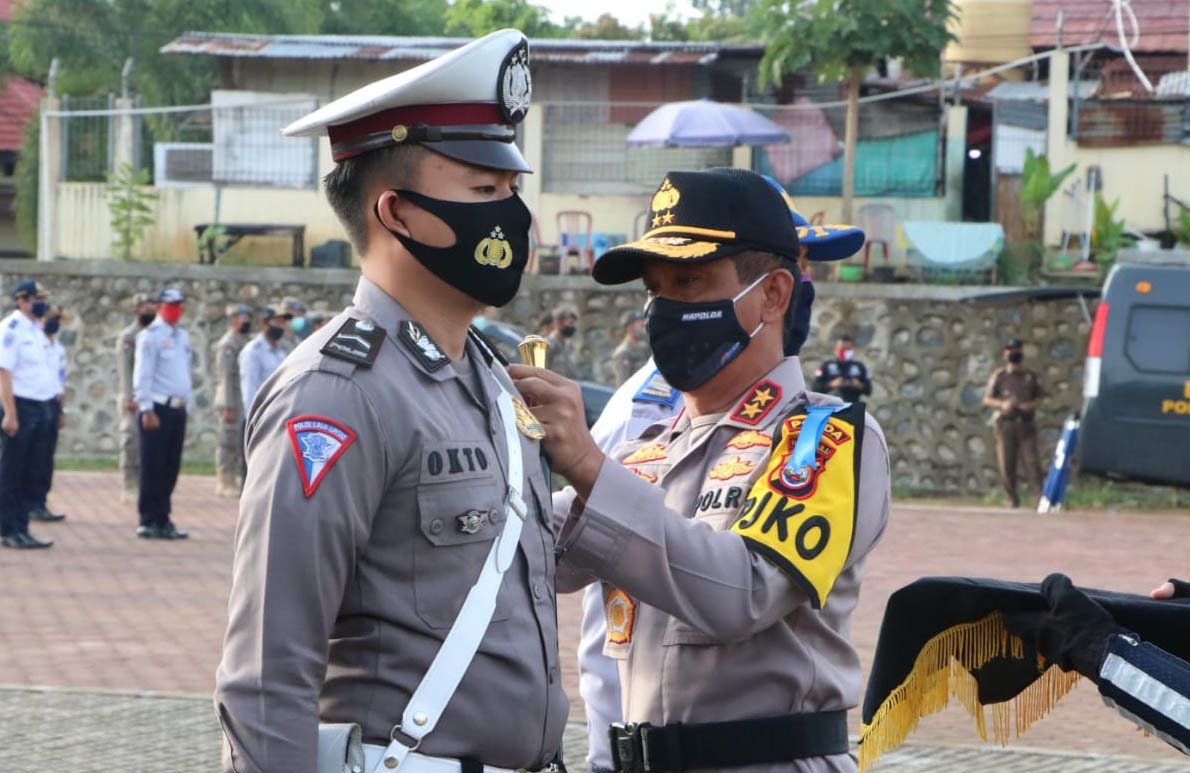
263, 354
633, 350
844, 377
318, 320
229, 455
294, 312
44, 467
28, 389
1014, 392
377, 453
162, 385
144, 310
560, 358
738, 629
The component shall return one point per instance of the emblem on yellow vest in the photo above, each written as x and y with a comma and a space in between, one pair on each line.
494, 251
803, 519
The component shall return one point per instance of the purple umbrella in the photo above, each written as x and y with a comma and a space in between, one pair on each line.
702, 123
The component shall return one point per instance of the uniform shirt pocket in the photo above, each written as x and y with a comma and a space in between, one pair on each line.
458, 522
679, 632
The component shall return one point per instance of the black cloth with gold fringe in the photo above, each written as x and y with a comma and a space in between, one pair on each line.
944, 637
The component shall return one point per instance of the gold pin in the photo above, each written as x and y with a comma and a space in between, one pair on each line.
526, 422
533, 349
400, 133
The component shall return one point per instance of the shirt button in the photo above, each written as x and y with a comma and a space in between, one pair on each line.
435, 526
537, 590
553, 675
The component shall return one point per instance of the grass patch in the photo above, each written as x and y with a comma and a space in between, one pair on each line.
109, 464
1086, 492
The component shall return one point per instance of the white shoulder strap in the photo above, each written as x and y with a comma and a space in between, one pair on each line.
458, 649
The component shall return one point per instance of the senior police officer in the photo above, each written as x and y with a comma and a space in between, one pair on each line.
385, 451
263, 354
144, 310
28, 389
229, 455
161, 383
735, 630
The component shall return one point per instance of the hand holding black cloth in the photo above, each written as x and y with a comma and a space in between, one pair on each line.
1072, 633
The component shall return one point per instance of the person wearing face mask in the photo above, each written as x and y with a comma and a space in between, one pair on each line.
731, 540
1014, 392
162, 384
395, 514
263, 354
229, 456
633, 351
144, 311
297, 328
41, 465
560, 357
844, 377
28, 393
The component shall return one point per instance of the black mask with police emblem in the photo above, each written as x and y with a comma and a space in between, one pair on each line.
491, 246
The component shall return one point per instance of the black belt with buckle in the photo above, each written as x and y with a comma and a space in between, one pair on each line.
644, 748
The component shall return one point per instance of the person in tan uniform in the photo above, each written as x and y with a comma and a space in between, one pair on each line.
144, 310
731, 541
379, 457
229, 455
1014, 392
633, 350
560, 357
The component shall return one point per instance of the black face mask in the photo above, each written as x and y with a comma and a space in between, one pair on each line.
52, 326
692, 342
39, 308
274, 333
146, 319
491, 246
568, 331
1016, 357
245, 326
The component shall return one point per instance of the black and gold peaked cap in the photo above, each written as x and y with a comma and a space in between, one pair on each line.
695, 217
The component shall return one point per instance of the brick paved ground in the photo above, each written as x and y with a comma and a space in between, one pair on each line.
104, 610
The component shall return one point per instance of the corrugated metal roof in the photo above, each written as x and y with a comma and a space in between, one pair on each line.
423, 49
1037, 91
1164, 24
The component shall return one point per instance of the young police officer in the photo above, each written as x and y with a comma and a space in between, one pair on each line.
385, 452
731, 541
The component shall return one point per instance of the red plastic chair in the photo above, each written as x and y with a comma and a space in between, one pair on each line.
574, 240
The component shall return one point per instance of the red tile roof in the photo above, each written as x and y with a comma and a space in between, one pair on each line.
18, 103
1164, 24
6, 9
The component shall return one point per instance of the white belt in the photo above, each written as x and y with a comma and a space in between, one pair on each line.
418, 763
169, 402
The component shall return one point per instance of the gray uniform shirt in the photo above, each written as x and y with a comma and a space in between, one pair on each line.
258, 359
162, 366
227, 372
126, 360
718, 632
374, 560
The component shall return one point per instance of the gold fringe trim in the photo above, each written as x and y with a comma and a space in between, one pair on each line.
943, 669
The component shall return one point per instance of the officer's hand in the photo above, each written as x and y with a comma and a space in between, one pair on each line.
228, 415
10, 425
1072, 633
557, 403
836, 382
130, 406
1171, 589
61, 419
149, 421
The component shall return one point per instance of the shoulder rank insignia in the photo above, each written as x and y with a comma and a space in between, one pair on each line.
657, 390
620, 611
750, 438
731, 468
423, 347
802, 516
357, 340
762, 398
654, 452
317, 442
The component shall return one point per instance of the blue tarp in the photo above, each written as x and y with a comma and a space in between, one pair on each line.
904, 166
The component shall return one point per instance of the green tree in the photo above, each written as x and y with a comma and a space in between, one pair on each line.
129, 201
384, 17
472, 18
842, 39
606, 27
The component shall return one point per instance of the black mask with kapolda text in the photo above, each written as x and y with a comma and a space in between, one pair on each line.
491, 246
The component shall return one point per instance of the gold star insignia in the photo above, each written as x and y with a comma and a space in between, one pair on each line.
657, 221
750, 411
763, 396
668, 218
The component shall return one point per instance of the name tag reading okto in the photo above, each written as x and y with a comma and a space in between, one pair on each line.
802, 517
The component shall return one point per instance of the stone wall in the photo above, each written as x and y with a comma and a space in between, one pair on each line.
930, 353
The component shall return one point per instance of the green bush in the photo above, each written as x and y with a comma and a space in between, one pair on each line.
25, 184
